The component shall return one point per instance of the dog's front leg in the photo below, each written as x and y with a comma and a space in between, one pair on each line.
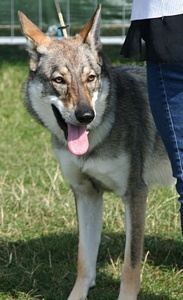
135, 206
89, 211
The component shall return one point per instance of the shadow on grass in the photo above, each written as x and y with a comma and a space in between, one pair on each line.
46, 268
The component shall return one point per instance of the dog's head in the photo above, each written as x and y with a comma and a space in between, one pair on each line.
66, 75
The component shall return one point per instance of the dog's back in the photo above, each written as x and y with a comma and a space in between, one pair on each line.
134, 125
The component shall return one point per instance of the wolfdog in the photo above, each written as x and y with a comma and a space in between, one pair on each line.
103, 136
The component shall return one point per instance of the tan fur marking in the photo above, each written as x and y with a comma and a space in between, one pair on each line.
64, 71
82, 271
86, 29
86, 70
130, 282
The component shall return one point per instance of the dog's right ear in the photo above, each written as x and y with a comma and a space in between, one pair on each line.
37, 39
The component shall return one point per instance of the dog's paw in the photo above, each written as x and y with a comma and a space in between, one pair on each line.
127, 296
80, 289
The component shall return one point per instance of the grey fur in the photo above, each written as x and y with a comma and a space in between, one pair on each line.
122, 134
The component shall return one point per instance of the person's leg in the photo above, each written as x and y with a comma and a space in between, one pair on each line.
165, 88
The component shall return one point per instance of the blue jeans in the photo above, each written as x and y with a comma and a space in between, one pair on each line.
165, 88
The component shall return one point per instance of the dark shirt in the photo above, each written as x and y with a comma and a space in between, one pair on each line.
158, 40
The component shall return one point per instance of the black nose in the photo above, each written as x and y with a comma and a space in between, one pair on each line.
84, 113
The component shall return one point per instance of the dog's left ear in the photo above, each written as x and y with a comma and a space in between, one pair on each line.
91, 31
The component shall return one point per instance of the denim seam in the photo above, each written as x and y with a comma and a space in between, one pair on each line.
170, 116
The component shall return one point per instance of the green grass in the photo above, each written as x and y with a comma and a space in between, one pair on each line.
38, 229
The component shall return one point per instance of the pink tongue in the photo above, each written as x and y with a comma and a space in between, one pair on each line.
77, 139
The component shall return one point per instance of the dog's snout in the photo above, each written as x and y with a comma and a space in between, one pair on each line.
84, 114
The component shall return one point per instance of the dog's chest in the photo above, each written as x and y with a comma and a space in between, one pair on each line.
112, 174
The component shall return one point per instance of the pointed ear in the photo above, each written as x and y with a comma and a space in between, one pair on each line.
91, 31
37, 40
32, 32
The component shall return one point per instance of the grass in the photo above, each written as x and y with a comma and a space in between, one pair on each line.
38, 229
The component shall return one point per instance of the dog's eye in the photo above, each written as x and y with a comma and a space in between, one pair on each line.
59, 80
91, 77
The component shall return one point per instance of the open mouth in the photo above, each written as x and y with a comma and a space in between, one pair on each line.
61, 122
76, 136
